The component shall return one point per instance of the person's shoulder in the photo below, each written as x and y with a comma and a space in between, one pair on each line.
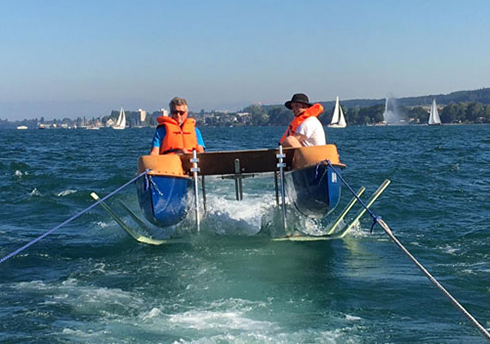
312, 119
160, 130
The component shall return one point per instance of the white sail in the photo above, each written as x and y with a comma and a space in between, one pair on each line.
338, 118
434, 114
121, 121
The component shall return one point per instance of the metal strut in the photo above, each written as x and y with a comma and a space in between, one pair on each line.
203, 185
280, 156
238, 180
194, 170
276, 187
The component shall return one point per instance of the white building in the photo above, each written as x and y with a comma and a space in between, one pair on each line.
142, 115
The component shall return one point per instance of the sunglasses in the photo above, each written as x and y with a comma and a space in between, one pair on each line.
181, 113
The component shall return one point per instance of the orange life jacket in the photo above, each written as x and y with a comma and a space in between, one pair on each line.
177, 137
313, 110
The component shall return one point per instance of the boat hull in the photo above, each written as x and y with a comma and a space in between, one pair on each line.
314, 190
164, 200
164, 194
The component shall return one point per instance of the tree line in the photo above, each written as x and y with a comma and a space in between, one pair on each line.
466, 112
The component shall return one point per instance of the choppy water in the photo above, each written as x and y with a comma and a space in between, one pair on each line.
89, 282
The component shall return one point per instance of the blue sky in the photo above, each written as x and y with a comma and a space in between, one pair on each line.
84, 58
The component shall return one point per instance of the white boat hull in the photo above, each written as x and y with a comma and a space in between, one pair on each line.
337, 126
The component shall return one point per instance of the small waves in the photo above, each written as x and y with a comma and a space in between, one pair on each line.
19, 174
65, 193
89, 282
35, 192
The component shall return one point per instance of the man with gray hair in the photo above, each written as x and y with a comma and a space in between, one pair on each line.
177, 134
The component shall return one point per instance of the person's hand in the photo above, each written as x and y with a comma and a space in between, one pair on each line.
182, 151
155, 151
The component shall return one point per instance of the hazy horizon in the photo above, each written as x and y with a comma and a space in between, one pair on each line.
39, 109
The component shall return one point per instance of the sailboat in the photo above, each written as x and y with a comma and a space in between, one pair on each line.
434, 114
121, 121
338, 119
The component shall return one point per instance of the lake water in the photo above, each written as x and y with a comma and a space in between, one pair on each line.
89, 282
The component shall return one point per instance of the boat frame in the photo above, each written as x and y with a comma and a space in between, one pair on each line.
302, 173
306, 175
335, 231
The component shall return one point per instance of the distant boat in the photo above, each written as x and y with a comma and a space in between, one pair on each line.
434, 114
21, 127
379, 124
121, 121
338, 119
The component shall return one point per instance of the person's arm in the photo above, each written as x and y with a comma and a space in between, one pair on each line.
200, 142
157, 140
311, 132
291, 141
155, 151
304, 131
299, 137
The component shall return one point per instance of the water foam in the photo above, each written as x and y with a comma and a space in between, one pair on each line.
232, 217
66, 193
19, 174
35, 192
222, 320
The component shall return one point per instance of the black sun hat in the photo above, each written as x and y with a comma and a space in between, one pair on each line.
298, 98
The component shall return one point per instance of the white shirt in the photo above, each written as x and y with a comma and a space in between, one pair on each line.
313, 130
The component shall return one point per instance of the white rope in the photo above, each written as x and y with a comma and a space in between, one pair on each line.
433, 280
32, 242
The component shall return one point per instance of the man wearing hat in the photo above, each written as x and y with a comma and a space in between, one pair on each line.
305, 129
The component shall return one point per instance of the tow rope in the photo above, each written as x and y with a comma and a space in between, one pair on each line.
32, 242
386, 228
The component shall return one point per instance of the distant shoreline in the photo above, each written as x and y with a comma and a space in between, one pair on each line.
456, 107
241, 126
